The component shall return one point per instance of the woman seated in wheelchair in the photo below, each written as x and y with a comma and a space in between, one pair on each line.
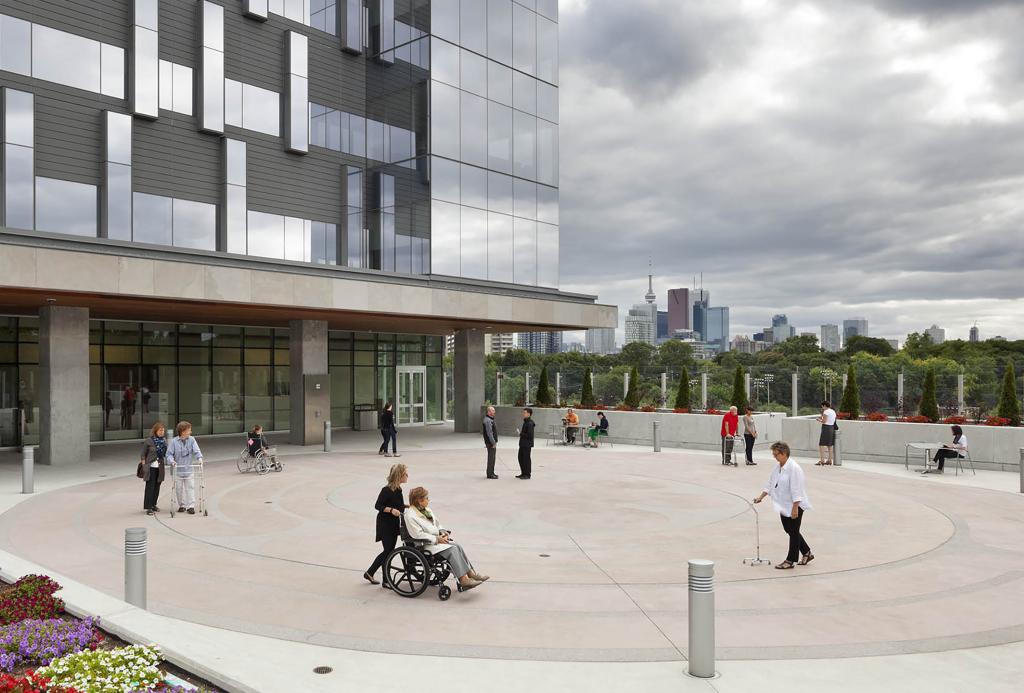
422, 525
257, 443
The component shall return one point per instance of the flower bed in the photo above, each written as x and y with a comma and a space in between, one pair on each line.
38, 642
132, 668
28, 598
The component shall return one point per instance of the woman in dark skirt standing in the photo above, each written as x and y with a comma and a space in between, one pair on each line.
827, 438
154, 450
390, 506
389, 431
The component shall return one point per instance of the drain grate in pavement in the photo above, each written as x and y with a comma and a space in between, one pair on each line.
322, 670
545, 555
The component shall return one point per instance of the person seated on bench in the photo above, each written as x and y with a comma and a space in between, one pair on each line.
957, 449
599, 428
570, 421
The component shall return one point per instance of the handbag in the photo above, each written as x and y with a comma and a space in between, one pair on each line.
140, 472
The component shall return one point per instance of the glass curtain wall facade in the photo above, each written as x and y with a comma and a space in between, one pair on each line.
223, 379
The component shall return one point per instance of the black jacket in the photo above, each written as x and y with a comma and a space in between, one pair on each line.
387, 420
526, 433
489, 430
387, 524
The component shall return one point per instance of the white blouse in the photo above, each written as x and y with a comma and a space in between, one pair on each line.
828, 417
786, 486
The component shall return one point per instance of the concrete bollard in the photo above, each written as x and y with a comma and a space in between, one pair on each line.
657, 436
837, 451
327, 436
1022, 470
135, 566
28, 468
702, 619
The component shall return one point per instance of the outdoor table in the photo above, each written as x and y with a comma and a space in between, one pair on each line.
580, 433
927, 447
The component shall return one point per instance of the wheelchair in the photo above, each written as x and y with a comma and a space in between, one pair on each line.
410, 570
262, 462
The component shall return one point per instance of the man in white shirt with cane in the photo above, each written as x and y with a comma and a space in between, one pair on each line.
789, 498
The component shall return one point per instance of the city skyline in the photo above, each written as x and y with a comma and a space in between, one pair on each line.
748, 176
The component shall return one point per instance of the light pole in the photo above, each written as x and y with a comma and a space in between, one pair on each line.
765, 381
828, 376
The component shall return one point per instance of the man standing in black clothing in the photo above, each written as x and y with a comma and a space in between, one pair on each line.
526, 444
490, 432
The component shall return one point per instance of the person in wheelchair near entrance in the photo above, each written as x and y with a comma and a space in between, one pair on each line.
257, 444
422, 525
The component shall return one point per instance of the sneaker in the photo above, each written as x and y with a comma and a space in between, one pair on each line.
492, 476
396, 455
380, 452
150, 512
155, 509
751, 464
387, 454
191, 511
181, 508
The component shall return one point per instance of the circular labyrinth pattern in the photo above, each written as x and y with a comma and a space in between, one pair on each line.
588, 558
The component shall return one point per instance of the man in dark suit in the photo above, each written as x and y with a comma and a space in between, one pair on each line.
526, 444
490, 432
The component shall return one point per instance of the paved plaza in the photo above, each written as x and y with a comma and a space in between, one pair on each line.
588, 560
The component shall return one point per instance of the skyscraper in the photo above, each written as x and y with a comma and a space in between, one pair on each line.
662, 330
642, 319
601, 340
781, 329
854, 327
937, 334
540, 342
975, 334
718, 327
701, 303
680, 310
499, 342
830, 338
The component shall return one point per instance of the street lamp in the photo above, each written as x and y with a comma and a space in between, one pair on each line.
765, 381
828, 376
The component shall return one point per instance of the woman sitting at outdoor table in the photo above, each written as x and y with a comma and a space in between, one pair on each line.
423, 525
570, 422
957, 449
598, 429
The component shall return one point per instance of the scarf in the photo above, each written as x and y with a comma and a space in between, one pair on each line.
425, 512
161, 448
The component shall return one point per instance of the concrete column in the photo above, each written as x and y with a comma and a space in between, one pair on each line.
664, 389
625, 385
960, 394
526, 399
704, 391
558, 388
796, 394
310, 385
899, 394
746, 384
469, 380
64, 385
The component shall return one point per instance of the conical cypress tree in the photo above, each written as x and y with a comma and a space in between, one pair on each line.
1009, 406
851, 395
543, 388
929, 404
739, 390
633, 393
683, 394
587, 398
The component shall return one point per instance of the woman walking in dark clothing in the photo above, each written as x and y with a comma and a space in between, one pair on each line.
388, 431
390, 506
154, 450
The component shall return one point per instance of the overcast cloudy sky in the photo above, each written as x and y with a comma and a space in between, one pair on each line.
825, 159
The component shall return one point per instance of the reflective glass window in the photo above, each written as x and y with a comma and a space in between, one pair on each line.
357, 135
444, 117
15, 45
118, 138
213, 26
323, 243
444, 62
499, 30
474, 73
548, 8
146, 13
531, 4
194, 225
500, 193
166, 84
298, 114
19, 186
148, 74
473, 246
547, 101
547, 204
524, 37
401, 144
444, 180
444, 19
499, 247
235, 218
526, 199
182, 86
499, 83
323, 15
112, 64
212, 90
547, 50
337, 136
547, 152
317, 125
474, 186
64, 58
65, 207
151, 216
352, 26
375, 140
524, 93
499, 137
525, 145
547, 255
294, 239
261, 110
298, 54
232, 102
473, 129
266, 235
293, 10
19, 117
445, 237
474, 26
276, 7
118, 190
525, 254
235, 152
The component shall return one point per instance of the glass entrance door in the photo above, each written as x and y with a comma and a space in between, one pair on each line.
412, 395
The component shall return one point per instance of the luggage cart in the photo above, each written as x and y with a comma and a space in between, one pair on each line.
198, 480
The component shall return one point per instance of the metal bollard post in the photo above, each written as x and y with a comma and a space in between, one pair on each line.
135, 566
1022, 470
28, 462
837, 451
657, 436
702, 619
327, 436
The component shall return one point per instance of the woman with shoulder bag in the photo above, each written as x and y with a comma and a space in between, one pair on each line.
151, 467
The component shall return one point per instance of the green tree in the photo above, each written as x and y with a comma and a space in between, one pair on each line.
587, 398
918, 345
637, 354
871, 345
851, 395
683, 394
804, 344
633, 392
1009, 407
674, 354
739, 390
516, 357
544, 397
929, 406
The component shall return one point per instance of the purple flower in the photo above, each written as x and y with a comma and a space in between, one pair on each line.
37, 642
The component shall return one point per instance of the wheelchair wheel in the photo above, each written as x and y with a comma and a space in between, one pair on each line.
444, 593
261, 466
407, 572
278, 467
243, 461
